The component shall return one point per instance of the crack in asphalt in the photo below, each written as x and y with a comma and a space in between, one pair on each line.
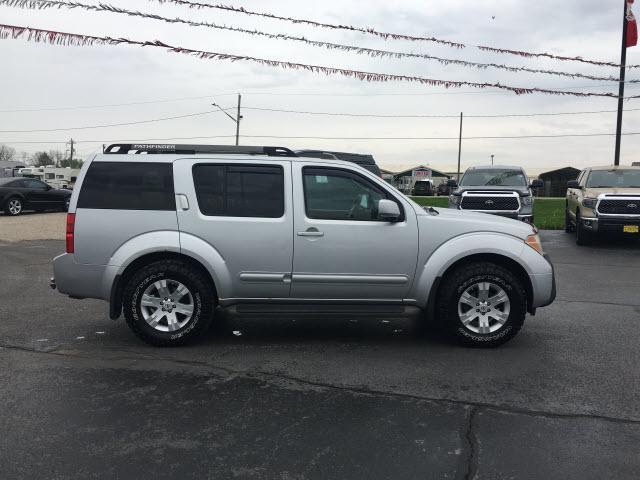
472, 445
265, 376
598, 303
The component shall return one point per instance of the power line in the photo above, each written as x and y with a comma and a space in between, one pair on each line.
385, 35
262, 93
87, 127
311, 137
65, 38
109, 105
376, 53
366, 115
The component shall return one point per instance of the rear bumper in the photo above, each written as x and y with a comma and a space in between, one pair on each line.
82, 281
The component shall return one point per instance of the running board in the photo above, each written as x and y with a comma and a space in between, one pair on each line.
309, 310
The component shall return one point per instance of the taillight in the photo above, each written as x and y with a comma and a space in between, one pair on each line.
71, 222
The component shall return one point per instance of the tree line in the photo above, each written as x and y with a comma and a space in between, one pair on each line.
39, 159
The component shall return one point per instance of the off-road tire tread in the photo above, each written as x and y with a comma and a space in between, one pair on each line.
201, 284
446, 308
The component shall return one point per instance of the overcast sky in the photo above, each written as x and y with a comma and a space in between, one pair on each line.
37, 76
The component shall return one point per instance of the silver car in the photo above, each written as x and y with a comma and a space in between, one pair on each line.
175, 235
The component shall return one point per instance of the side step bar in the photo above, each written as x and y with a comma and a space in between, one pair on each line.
256, 310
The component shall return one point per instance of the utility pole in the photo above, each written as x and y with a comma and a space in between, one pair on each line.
238, 118
459, 146
235, 119
492, 159
623, 69
71, 150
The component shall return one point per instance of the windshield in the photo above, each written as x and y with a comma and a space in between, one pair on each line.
614, 178
491, 177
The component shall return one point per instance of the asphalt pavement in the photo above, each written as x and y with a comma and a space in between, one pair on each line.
81, 397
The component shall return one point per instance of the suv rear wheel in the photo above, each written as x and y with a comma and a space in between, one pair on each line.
481, 305
168, 303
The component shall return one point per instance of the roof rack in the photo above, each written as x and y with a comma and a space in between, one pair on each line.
155, 149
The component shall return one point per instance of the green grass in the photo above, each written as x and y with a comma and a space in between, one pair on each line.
548, 212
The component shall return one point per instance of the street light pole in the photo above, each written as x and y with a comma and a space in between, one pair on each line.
235, 119
238, 118
492, 159
459, 146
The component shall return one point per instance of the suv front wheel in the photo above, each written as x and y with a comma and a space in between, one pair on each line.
481, 305
168, 303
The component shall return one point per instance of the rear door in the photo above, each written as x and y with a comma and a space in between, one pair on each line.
243, 210
341, 250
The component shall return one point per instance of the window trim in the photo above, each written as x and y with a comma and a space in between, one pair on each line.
359, 177
243, 168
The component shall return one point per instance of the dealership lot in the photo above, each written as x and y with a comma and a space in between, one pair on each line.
341, 399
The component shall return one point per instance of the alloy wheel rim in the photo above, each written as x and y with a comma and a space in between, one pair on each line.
167, 305
15, 206
484, 308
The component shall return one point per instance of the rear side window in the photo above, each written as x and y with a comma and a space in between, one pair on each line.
128, 186
240, 190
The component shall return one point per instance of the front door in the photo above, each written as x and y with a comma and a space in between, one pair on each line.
341, 250
243, 211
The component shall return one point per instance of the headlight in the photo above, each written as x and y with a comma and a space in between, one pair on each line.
527, 201
454, 199
533, 241
588, 202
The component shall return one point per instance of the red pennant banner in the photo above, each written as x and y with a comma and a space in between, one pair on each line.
632, 26
74, 39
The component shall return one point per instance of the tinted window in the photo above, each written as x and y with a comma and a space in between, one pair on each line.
614, 178
128, 186
35, 184
332, 194
240, 190
491, 177
12, 183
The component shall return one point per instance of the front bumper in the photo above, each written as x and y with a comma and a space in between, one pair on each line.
608, 224
522, 216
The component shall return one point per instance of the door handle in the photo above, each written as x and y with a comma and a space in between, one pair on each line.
183, 200
311, 232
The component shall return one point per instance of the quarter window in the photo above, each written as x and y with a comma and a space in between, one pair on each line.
240, 190
332, 194
128, 186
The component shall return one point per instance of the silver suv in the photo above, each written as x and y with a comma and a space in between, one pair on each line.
174, 236
499, 190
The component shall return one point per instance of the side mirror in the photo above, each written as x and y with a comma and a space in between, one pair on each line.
452, 183
388, 211
573, 184
537, 183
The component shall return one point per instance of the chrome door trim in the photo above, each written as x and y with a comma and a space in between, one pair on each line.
349, 279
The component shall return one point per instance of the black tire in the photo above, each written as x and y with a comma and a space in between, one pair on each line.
583, 236
9, 206
67, 202
568, 227
197, 283
458, 281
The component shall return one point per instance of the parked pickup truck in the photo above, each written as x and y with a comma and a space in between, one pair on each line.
499, 190
603, 199
180, 232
